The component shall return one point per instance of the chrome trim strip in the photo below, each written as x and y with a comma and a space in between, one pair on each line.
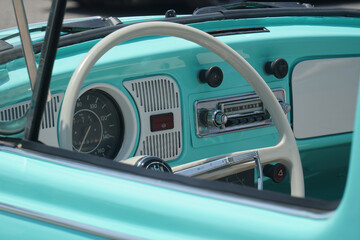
259, 171
252, 202
78, 226
218, 163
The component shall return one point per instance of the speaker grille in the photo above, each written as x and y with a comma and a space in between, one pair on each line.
18, 110
156, 94
164, 146
153, 96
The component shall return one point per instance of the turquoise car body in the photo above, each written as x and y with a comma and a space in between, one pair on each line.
47, 192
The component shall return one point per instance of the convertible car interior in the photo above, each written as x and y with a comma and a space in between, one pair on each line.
250, 99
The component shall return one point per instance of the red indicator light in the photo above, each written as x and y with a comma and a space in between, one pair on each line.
161, 122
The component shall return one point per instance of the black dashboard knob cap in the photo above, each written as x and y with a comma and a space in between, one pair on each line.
278, 67
212, 76
154, 163
170, 13
276, 172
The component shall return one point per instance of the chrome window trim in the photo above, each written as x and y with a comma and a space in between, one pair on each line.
63, 222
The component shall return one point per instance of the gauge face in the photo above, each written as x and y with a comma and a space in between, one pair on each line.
98, 126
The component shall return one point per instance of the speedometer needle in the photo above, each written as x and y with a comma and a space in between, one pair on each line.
83, 141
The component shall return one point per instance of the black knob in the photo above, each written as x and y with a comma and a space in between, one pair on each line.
276, 172
170, 13
154, 163
279, 68
212, 76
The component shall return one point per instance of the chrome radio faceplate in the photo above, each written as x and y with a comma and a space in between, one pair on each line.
236, 113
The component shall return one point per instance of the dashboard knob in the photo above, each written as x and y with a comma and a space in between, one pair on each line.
154, 163
279, 68
276, 172
285, 106
215, 118
170, 13
212, 76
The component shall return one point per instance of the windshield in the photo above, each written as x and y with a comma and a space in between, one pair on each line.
37, 11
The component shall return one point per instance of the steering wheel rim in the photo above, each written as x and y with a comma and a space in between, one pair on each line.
285, 151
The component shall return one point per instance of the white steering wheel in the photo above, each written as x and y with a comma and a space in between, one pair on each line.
285, 151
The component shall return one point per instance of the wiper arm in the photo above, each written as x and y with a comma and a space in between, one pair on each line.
249, 5
18, 33
90, 24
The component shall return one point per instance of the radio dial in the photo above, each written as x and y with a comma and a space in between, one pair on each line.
215, 118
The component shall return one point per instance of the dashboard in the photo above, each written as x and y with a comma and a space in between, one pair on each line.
141, 100
157, 101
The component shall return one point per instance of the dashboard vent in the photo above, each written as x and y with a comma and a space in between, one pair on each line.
164, 146
49, 118
154, 96
13, 112
18, 110
234, 31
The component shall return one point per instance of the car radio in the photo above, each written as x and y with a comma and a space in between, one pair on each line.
236, 113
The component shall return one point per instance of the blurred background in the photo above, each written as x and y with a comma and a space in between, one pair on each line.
38, 10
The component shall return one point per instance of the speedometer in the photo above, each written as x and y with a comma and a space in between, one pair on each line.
98, 126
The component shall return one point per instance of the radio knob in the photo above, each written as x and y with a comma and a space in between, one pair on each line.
215, 118
285, 106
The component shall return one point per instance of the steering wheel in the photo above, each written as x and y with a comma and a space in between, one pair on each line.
285, 151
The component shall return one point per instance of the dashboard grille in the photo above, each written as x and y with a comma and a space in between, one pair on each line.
51, 111
13, 112
154, 96
18, 110
164, 146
